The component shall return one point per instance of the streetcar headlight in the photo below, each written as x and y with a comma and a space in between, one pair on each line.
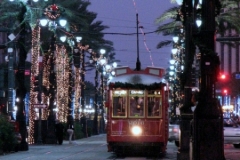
136, 130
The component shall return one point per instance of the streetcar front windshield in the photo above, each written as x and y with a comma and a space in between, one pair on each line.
119, 103
154, 103
136, 103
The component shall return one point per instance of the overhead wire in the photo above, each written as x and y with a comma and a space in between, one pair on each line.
144, 35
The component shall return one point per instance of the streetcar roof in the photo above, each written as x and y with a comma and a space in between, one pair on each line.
137, 79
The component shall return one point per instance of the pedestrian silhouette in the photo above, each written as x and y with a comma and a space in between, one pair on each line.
59, 130
70, 129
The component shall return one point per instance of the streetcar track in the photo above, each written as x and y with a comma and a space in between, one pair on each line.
87, 150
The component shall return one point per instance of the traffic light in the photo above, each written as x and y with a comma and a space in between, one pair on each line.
223, 76
36, 87
225, 91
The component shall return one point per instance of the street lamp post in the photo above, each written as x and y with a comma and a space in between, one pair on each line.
102, 103
10, 80
81, 51
95, 120
20, 76
208, 115
52, 13
83, 79
96, 58
206, 128
106, 73
189, 51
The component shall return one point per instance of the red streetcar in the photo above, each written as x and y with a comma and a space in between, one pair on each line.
137, 111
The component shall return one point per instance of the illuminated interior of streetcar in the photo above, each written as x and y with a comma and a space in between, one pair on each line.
140, 102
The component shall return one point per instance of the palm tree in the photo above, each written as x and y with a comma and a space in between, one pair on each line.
228, 15
22, 16
227, 19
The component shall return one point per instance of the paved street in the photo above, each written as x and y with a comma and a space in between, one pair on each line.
93, 148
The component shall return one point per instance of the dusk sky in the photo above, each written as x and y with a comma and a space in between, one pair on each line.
120, 16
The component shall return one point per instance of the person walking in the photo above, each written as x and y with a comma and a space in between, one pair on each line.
59, 130
70, 130
83, 122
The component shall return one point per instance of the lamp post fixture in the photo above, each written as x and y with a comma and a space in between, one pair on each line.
97, 59
207, 119
101, 109
20, 77
10, 80
186, 114
52, 13
172, 75
176, 67
80, 50
108, 71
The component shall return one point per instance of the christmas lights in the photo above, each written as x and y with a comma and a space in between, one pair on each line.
34, 72
62, 80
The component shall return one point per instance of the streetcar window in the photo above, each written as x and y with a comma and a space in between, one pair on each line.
154, 106
136, 106
119, 106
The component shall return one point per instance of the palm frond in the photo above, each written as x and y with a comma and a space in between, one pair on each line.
168, 15
164, 43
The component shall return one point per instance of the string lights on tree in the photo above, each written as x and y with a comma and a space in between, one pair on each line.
62, 80
34, 72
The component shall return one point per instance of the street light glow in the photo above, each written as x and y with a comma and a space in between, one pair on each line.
63, 38
63, 22
199, 22
174, 51
175, 39
43, 22
78, 39
102, 51
114, 64
179, 2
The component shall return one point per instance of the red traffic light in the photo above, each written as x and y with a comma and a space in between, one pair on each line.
225, 91
223, 76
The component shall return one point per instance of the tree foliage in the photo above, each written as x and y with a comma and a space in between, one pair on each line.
81, 21
227, 19
7, 134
